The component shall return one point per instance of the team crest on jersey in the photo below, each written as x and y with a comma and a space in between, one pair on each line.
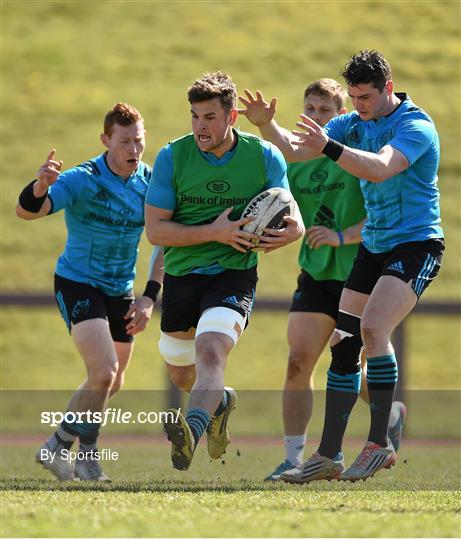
319, 176
218, 186
101, 195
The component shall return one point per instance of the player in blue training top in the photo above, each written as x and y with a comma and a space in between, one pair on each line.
201, 183
393, 147
103, 200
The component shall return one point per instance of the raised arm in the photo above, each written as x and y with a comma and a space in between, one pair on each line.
261, 114
373, 167
33, 200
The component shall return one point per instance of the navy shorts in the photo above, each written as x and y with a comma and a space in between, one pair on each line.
418, 262
80, 302
185, 298
314, 296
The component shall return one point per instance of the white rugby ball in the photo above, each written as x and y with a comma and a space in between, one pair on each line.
268, 208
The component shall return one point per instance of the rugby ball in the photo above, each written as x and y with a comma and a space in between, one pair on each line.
268, 209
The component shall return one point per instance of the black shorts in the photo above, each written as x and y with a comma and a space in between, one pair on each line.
418, 262
79, 302
314, 296
185, 298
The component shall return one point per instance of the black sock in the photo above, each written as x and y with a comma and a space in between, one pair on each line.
382, 376
342, 394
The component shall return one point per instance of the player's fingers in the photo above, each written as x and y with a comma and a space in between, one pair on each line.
274, 232
249, 95
273, 104
244, 221
60, 165
239, 247
260, 97
51, 154
131, 311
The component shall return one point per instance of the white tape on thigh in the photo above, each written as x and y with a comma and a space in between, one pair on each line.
221, 320
177, 352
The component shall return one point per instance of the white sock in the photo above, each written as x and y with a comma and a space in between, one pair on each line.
395, 414
294, 448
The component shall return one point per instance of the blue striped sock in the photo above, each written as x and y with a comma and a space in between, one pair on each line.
382, 375
198, 420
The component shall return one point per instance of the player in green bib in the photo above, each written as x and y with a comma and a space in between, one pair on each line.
200, 185
332, 207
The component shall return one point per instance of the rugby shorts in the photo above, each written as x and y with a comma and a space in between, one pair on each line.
415, 262
185, 298
79, 302
314, 296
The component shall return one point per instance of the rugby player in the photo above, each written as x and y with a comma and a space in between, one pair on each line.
393, 147
331, 202
103, 200
201, 183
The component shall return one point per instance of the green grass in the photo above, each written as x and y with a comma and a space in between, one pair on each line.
148, 498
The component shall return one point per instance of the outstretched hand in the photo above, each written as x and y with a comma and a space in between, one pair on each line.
313, 136
228, 232
258, 111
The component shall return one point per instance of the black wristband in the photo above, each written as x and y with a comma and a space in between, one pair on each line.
29, 201
152, 289
333, 149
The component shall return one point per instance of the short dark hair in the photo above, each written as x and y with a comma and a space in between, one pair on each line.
328, 88
121, 114
367, 67
212, 85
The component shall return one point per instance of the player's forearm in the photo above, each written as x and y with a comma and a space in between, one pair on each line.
282, 138
352, 235
366, 165
33, 201
171, 234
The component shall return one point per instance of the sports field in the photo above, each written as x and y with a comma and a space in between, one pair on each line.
64, 64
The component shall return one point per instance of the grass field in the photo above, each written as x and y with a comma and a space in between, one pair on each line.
64, 63
149, 499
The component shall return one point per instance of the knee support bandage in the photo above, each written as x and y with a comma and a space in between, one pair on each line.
221, 320
177, 352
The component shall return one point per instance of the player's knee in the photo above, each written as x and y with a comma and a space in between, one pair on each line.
104, 376
373, 334
346, 344
211, 355
182, 377
300, 365
177, 352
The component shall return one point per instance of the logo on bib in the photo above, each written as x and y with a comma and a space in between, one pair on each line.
218, 186
319, 176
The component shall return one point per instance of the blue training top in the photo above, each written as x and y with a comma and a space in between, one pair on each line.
104, 215
405, 207
162, 194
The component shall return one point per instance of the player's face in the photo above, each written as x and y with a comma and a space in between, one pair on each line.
369, 102
212, 126
125, 147
321, 108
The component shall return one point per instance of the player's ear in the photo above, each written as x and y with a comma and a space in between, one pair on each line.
105, 139
233, 116
389, 87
